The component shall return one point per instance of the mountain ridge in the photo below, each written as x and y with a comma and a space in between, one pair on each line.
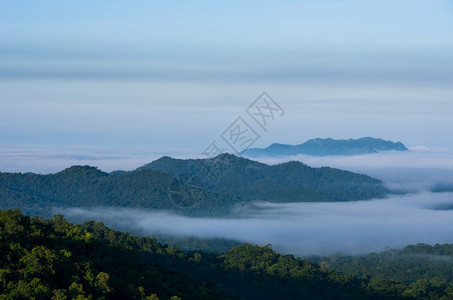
291, 181
193, 186
327, 146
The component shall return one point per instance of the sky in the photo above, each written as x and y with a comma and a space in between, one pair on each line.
119, 84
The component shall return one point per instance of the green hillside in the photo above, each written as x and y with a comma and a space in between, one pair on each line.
287, 182
44, 259
88, 186
186, 186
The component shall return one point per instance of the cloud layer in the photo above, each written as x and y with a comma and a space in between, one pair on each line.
306, 228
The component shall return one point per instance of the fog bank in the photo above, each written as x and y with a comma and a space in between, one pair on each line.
306, 228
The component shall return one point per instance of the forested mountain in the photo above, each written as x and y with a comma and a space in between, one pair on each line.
323, 147
43, 259
287, 182
206, 187
88, 186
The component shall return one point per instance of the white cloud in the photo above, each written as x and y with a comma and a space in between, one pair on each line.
306, 228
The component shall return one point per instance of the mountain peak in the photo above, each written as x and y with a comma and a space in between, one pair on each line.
228, 157
242, 178
84, 171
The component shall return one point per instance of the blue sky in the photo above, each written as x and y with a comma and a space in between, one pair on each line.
169, 77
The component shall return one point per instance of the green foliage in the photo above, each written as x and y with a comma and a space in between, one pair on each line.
43, 259
53, 259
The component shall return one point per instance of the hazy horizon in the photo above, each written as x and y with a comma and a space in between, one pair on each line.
44, 161
115, 79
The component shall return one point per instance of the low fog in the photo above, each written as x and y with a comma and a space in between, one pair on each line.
306, 228
420, 216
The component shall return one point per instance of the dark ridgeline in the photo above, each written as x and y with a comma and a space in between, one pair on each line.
220, 182
293, 181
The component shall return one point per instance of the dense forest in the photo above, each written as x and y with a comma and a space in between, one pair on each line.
43, 259
198, 187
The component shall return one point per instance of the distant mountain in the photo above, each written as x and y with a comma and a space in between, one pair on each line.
207, 187
324, 147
